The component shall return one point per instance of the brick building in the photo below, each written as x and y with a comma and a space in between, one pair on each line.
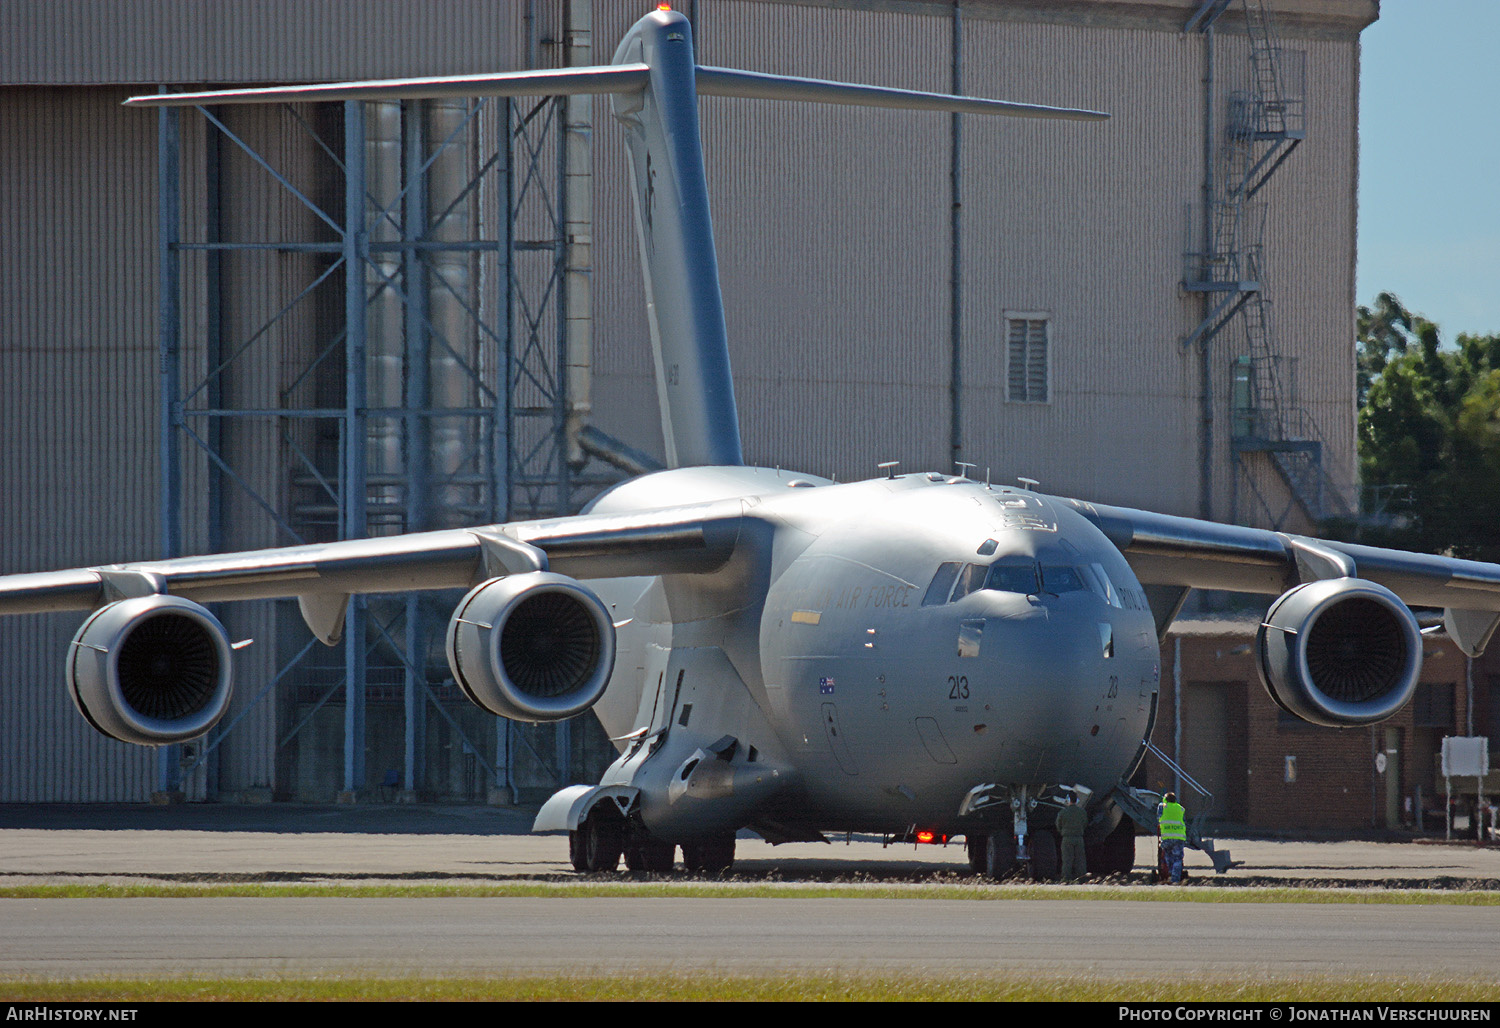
1267, 769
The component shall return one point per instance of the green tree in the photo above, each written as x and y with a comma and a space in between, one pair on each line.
1429, 432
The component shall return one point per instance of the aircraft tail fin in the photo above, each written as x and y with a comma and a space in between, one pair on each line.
689, 341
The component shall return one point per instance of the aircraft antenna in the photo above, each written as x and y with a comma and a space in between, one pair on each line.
1029, 484
889, 467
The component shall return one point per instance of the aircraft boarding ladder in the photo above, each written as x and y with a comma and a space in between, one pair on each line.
1140, 806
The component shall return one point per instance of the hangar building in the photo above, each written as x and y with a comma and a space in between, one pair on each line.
1155, 311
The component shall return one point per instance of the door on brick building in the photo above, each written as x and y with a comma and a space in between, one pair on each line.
1205, 746
1433, 715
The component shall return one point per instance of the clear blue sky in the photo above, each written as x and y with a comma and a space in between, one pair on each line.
1429, 179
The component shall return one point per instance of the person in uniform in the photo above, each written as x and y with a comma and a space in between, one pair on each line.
1172, 822
1071, 821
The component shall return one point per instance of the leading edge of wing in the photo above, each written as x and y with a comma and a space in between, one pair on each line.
694, 539
1164, 549
601, 79
617, 78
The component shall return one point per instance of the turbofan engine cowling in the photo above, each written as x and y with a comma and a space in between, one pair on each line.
532, 647
1341, 652
151, 670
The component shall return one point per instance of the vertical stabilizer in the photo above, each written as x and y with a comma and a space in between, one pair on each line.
689, 342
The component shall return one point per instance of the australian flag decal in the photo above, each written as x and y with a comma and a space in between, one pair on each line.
825, 686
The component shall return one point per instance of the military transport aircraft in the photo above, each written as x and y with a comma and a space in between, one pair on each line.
774, 651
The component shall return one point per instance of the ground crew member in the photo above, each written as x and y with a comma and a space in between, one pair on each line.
1172, 820
1071, 821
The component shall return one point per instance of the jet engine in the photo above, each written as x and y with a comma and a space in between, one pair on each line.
532, 647
1340, 652
151, 670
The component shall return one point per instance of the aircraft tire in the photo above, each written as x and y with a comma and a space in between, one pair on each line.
1044, 861
978, 848
600, 843
1000, 854
1115, 853
714, 855
650, 855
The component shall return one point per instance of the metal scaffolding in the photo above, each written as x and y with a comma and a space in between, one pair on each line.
418, 350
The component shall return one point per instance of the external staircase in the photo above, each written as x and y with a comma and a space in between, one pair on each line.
1264, 126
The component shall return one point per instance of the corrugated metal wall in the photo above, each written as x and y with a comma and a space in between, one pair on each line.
181, 41
1084, 221
78, 395
832, 229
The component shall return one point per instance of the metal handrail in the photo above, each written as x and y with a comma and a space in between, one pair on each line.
1173, 766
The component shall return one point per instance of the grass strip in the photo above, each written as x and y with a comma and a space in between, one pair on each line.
840, 987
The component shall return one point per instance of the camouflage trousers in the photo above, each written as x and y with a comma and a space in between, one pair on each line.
1172, 850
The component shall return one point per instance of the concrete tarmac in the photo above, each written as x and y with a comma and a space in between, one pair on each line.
379, 843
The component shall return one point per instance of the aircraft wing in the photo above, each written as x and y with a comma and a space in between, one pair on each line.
691, 538
1172, 554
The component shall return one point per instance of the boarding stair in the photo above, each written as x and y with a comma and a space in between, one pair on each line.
1140, 806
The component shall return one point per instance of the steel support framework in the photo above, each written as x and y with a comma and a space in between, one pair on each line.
511, 373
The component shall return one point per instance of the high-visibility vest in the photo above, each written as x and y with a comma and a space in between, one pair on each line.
1172, 819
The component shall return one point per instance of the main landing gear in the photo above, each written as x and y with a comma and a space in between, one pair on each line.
651, 855
600, 840
597, 843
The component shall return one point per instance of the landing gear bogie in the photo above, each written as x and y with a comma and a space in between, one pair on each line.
597, 844
653, 856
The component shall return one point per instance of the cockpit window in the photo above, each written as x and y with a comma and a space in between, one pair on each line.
970, 579
1099, 583
954, 580
942, 583
1058, 579
1012, 575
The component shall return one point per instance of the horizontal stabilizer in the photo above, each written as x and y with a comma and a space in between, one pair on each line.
610, 78
617, 78
757, 85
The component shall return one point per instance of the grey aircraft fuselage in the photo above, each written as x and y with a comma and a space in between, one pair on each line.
861, 695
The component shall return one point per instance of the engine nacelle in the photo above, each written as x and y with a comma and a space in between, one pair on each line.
532, 647
1340, 652
151, 670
